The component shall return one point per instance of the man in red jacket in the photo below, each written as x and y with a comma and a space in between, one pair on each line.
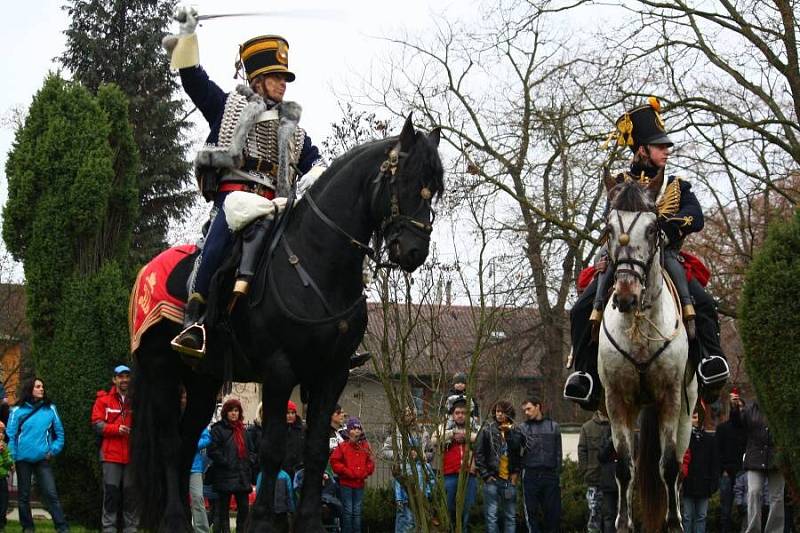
111, 419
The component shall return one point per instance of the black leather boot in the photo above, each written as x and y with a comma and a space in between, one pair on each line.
579, 387
192, 340
254, 238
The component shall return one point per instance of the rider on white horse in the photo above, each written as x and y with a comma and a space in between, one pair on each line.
680, 214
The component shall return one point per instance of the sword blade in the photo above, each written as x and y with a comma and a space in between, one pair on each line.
317, 13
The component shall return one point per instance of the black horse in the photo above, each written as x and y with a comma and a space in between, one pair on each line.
303, 319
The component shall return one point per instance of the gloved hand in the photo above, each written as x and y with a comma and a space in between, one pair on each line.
183, 48
187, 19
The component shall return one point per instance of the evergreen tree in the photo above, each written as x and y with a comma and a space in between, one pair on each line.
119, 41
770, 329
72, 204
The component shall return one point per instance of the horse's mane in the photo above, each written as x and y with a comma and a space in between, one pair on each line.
423, 160
630, 196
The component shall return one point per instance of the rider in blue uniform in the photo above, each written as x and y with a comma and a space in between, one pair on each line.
254, 146
680, 215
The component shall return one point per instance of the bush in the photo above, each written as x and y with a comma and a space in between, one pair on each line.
770, 306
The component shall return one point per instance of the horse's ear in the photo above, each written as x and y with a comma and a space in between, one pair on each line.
654, 187
407, 135
434, 136
608, 180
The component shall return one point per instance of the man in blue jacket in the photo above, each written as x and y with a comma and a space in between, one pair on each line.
680, 215
254, 147
541, 466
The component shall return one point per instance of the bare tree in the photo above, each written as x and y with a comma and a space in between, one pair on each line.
523, 118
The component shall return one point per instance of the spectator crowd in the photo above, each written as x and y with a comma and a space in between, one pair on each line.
509, 460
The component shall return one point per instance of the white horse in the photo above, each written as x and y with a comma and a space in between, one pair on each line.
643, 361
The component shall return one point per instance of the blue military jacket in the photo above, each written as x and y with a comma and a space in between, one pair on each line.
685, 216
210, 100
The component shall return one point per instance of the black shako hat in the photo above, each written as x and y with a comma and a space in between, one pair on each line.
642, 125
265, 54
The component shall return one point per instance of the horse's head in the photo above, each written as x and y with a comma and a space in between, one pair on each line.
633, 236
410, 179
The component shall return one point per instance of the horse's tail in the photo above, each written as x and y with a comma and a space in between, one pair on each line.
653, 494
148, 442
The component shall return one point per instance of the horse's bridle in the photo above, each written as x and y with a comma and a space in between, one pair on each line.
623, 239
387, 174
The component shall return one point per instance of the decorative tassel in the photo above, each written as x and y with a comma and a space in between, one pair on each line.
625, 128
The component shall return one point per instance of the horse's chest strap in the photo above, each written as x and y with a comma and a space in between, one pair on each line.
641, 367
305, 278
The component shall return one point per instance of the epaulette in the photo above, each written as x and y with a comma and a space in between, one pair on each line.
670, 201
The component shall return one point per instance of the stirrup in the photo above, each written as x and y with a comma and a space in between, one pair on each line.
719, 377
187, 350
579, 375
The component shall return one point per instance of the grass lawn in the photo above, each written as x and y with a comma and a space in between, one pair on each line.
45, 526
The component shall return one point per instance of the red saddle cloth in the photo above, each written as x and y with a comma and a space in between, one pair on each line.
692, 265
150, 300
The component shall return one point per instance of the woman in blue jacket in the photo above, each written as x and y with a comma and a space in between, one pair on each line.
36, 435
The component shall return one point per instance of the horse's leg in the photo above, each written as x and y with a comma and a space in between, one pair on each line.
156, 442
620, 418
201, 395
278, 384
670, 418
323, 399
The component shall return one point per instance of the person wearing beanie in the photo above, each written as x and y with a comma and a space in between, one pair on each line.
295, 440
352, 462
459, 390
231, 466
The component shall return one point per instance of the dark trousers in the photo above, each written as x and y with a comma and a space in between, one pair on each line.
118, 498
584, 349
542, 491
216, 245
610, 509
3, 501
47, 488
222, 522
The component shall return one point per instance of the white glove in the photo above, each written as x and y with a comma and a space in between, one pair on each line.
187, 19
308, 179
183, 48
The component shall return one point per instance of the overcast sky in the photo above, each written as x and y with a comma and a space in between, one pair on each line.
331, 43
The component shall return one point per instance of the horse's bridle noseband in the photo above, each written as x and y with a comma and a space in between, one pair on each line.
624, 239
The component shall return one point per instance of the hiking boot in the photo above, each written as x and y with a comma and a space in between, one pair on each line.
192, 340
579, 387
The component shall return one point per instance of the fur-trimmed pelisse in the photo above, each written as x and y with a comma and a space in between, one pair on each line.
244, 110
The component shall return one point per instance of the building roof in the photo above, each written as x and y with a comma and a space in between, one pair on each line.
445, 337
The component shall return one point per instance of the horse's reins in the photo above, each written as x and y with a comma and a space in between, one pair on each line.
387, 173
